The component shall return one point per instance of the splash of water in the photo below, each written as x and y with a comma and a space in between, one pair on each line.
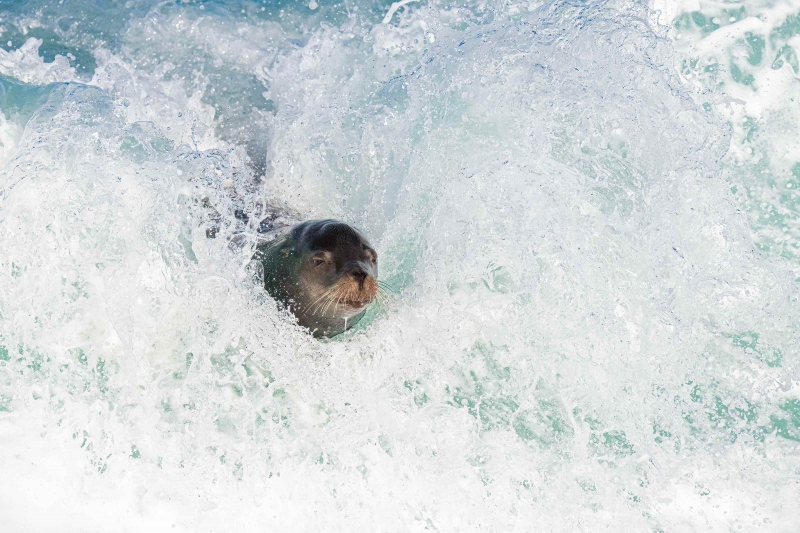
584, 333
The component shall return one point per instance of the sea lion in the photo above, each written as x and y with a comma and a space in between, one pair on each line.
324, 271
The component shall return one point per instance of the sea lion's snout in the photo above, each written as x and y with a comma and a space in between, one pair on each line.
359, 274
358, 286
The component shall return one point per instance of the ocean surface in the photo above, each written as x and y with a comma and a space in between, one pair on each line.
588, 211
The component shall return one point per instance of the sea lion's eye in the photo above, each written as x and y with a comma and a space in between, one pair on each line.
318, 261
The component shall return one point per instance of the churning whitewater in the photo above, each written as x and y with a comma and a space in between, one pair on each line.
588, 213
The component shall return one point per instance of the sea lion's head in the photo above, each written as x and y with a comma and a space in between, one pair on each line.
326, 272
340, 269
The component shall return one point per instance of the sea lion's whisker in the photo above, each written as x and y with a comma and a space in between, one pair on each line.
337, 303
385, 286
322, 303
326, 294
323, 310
378, 299
385, 295
338, 289
328, 302
329, 297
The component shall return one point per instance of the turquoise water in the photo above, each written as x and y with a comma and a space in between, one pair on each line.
588, 212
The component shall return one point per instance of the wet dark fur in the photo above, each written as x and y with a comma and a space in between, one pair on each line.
324, 271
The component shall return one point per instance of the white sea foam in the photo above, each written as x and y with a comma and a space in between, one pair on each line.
584, 335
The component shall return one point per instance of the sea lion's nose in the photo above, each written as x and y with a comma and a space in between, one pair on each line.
359, 275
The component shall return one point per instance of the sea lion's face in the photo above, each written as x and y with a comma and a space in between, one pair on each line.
339, 271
